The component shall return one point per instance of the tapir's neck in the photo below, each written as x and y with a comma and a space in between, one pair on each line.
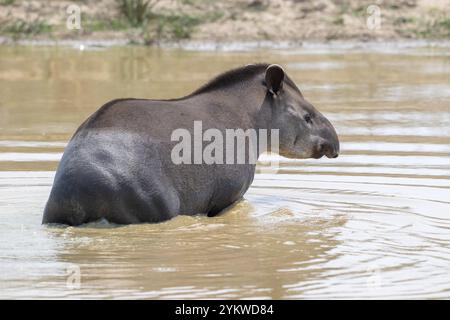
248, 106
248, 101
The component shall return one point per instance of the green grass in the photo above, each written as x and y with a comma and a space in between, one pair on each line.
137, 15
171, 26
135, 11
338, 21
22, 27
403, 20
444, 24
359, 11
438, 27
347, 8
257, 5
105, 25
6, 2
175, 26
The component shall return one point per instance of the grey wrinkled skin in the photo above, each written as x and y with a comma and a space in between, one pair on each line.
118, 164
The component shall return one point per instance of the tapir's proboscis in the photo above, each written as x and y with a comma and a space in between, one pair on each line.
118, 165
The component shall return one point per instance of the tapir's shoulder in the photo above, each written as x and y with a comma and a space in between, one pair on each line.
99, 113
131, 115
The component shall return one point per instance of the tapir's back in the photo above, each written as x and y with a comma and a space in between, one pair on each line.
118, 166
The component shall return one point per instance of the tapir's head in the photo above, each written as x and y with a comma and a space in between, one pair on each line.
304, 131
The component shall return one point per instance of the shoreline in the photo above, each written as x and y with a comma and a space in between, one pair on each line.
235, 46
238, 25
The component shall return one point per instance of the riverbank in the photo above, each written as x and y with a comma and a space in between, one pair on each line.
249, 22
313, 47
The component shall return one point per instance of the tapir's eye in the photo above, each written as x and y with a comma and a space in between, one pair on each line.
307, 118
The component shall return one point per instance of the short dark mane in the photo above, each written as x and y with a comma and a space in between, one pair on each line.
231, 77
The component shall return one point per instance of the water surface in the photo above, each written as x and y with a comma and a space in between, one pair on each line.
373, 223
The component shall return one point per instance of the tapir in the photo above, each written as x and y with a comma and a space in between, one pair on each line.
119, 163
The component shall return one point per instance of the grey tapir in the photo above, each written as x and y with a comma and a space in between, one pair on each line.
118, 164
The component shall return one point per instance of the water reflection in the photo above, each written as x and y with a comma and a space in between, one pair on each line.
235, 261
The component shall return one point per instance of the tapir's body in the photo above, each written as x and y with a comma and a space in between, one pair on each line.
118, 164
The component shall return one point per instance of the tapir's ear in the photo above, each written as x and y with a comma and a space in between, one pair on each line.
274, 78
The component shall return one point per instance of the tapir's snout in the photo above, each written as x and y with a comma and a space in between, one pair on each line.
329, 150
326, 148
332, 152
327, 143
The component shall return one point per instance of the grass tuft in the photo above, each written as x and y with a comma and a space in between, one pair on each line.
135, 11
6, 2
21, 27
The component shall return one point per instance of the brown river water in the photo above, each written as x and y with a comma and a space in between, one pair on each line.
373, 223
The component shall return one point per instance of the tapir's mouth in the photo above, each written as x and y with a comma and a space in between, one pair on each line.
325, 150
328, 155
332, 156
318, 155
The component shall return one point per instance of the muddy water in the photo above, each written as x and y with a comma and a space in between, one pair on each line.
373, 223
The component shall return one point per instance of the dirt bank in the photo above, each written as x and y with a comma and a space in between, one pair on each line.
226, 21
